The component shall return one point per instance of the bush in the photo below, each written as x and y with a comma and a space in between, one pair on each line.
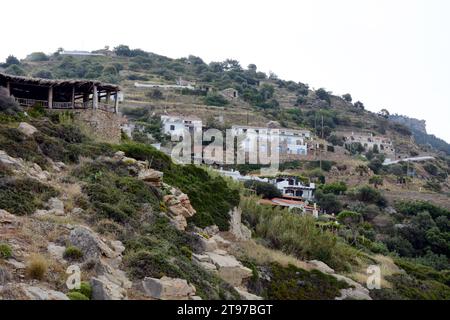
328, 202
349, 217
37, 267
5, 251
370, 195
336, 188
85, 291
24, 196
215, 100
263, 189
73, 253
8, 105
74, 295
292, 283
296, 235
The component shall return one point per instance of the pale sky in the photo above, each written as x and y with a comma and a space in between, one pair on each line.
392, 54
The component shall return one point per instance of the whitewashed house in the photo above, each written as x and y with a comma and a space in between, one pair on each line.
176, 125
290, 141
293, 187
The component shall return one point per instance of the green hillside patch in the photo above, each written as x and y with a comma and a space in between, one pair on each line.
210, 196
23, 196
113, 193
292, 283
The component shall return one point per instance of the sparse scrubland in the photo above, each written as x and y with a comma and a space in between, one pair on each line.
371, 214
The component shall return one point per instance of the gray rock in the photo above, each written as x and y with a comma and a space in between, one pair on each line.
37, 293
168, 288
27, 129
104, 289
90, 243
247, 295
5, 276
56, 252
56, 206
321, 266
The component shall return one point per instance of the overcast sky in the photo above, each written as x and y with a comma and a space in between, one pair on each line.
392, 54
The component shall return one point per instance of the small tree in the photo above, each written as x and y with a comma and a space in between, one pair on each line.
359, 105
324, 95
347, 97
11, 60
376, 181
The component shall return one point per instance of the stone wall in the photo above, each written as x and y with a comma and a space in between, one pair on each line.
103, 125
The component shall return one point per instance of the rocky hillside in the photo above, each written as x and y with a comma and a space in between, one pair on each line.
139, 226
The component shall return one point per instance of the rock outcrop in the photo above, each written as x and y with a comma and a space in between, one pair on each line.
179, 208
168, 288
23, 168
27, 129
237, 229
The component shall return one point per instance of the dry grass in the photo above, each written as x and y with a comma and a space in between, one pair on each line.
263, 255
386, 265
37, 267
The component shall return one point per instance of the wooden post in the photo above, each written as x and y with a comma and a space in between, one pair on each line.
8, 88
108, 97
73, 97
50, 97
116, 103
95, 98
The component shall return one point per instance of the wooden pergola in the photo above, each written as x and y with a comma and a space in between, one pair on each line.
62, 94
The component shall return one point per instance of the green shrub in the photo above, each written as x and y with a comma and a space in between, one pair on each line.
414, 207
296, 235
85, 291
22, 196
337, 188
292, 283
263, 189
215, 100
74, 295
73, 253
5, 251
370, 195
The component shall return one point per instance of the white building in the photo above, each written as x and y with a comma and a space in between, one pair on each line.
290, 141
292, 187
176, 125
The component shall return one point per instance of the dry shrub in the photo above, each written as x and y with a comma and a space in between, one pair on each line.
37, 267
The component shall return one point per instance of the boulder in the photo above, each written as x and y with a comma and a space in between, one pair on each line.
321, 266
104, 289
8, 220
353, 294
38, 293
211, 230
90, 244
5, 276
221, 242
229, 268
151, 176
56, 252
206, 244
168, 288
179, 222
237, 229
247, 295
27, 129
357, 292
56, 206
10, 161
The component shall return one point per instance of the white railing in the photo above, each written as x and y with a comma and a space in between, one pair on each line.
31, 102
64, 105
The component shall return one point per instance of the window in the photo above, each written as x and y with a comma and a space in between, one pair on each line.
172, 127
